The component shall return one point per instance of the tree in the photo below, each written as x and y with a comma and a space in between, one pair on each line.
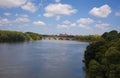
113, 55
102, 58
111, 35
14, 36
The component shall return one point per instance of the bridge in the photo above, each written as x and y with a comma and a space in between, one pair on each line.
47, 37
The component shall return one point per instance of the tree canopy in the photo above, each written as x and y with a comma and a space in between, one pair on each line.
14, 36
88, 38
102, 58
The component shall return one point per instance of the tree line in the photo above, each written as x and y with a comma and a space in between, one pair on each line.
88, 38
102, 58
14, 36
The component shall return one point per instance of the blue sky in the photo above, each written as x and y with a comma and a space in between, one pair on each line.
78, 17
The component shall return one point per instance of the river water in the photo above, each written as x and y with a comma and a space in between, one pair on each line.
42, 59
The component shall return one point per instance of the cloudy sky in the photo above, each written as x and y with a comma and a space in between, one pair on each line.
60, 16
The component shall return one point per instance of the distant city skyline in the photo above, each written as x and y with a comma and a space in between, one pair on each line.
73, 17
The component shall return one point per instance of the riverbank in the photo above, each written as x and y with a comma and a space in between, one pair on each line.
15, 36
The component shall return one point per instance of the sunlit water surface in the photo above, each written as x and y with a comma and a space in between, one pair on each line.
42, 59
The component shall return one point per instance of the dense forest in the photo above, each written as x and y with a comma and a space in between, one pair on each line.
102, 58
14, 36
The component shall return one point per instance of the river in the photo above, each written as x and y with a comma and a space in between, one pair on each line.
42, 59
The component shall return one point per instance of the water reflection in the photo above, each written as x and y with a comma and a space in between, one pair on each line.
42, 59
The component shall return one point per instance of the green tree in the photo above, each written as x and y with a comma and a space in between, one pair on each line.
102, 58
113, 55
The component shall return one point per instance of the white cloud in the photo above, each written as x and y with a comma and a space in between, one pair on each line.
39, 23
24, 4
102, 25
7, 14
57, 0
59, 9
12, 3
4, 21
18, 20
29, 6
102, 11
66, 24
24, 15
82, 23
73, 24
83, 26
59, 26
117, 14
21, 19
48, 15
85, 21
21, 15
58, 17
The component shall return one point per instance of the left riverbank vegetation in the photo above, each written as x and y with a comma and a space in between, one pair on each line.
14, 36
102, 58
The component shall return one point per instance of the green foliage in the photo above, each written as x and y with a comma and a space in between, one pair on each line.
34, 36
89, 38
102, 58
113, 55
14, 36
91, 51
95, 69
111, 35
